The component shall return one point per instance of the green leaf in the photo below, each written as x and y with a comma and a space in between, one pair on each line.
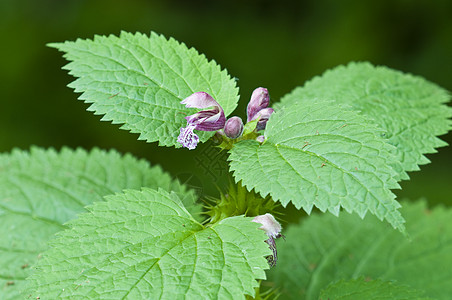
410, 109
323, 249
42, 189
145, 245
139, 81
320, 154
359, 289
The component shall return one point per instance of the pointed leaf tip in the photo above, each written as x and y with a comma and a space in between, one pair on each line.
148, 75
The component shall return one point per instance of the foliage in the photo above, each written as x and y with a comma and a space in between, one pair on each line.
320, 154
146, 245
139, 81
341, 143
359, 289
40, 190
408, 108
325, 249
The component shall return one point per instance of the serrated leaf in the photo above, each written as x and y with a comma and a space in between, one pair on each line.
409, 108
42, 189
359, 289
139, 81
145, 245
323, 249
320, 154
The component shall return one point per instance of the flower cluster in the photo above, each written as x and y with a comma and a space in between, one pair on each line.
212, 118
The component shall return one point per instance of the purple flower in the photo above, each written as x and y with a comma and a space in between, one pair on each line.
233, 127
263, 115
273, 230
259, 100
206, 120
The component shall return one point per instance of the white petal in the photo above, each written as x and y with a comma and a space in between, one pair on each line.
200, 100
269, 224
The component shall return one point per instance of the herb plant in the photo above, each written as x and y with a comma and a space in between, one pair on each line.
101, 225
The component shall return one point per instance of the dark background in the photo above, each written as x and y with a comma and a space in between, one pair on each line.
275, 44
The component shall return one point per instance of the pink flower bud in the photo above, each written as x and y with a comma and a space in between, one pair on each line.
233, 127
259, 100
263, 115
260, 139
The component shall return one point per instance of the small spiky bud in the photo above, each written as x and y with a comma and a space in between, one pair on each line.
238, 201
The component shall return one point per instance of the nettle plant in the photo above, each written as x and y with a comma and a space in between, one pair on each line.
101, 225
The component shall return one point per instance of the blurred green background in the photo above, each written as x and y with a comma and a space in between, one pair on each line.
275, 44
